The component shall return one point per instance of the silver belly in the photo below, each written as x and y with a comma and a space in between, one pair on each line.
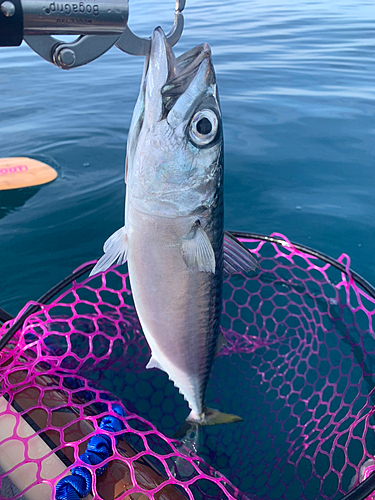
176, 306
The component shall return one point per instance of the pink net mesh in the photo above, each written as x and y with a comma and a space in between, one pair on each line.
298, 367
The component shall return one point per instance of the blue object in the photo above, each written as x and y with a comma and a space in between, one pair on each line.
79, 484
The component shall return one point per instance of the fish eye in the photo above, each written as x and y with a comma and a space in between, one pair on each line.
203, 127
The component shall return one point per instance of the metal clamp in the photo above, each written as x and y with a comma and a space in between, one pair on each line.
97, 23
85, 49
132, 44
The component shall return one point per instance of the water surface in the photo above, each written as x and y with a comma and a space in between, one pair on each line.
297, 91
297, 87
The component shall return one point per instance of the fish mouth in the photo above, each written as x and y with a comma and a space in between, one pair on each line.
181, 71
186, 68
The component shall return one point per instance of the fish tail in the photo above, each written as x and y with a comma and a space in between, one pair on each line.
213, 417
208, 417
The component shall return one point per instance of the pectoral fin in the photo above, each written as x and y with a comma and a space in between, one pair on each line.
197, 251
115, 252
237, 258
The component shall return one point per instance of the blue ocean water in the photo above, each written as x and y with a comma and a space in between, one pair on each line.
297, 87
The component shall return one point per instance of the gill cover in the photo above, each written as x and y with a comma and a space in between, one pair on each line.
181, 94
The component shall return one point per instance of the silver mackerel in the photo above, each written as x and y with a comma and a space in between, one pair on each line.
173, 238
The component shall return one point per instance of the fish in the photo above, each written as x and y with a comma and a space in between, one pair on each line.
173, 239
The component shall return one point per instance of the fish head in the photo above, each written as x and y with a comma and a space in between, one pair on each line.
174, 151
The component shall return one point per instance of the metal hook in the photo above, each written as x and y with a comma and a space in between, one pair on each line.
132, 44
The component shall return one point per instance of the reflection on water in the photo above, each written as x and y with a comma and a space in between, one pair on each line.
12, 199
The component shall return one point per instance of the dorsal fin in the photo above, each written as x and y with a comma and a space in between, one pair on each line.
237, 258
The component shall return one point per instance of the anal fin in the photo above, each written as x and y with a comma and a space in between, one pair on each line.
154, 363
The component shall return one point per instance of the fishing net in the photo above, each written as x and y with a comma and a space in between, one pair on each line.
298, 366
